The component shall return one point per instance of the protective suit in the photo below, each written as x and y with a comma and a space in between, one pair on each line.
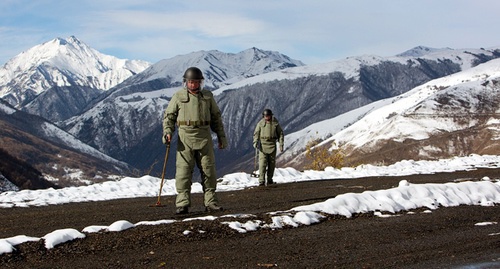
267, 132
195, 114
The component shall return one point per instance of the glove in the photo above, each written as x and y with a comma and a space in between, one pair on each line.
281, 148
255, 145
222, 141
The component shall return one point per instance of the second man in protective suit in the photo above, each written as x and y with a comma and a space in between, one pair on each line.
267, 132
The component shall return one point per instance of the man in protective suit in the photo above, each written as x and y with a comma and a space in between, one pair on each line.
194, 111
267, 132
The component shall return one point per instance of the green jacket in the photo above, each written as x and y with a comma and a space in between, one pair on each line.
194, 115
268, 133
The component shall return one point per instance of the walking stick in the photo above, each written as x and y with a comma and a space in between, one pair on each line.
255, 164
158, 202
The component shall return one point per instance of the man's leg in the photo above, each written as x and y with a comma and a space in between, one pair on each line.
272, 164
206, 158
183, 175
262, 168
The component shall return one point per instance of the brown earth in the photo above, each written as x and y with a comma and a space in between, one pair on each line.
445, 238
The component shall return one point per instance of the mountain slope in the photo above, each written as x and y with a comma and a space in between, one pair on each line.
62, 62
6, 185
452, 116
60, 103
55, 153
16, 174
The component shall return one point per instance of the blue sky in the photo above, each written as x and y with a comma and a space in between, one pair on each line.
310, 31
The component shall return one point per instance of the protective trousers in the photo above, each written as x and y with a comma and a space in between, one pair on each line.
267, 163
205, 160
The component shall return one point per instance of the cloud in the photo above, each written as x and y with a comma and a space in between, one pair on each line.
310, 31
207, 24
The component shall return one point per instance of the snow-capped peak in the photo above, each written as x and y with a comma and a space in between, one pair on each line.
67, 54
62, 62
420, 51
220, 68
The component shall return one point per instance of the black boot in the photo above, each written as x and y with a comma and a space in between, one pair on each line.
213, 208
181, 210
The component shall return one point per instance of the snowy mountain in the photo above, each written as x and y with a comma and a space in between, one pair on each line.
456, 115
219, 68
302, 96
128, 117
62, 63
59, 156
127, 123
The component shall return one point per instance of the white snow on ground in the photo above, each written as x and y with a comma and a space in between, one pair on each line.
383, 203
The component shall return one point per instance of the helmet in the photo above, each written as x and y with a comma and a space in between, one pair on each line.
193, 73
267, 112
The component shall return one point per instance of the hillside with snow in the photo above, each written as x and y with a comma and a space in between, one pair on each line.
456, 115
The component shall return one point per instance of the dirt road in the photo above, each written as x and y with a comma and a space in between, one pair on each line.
445, 238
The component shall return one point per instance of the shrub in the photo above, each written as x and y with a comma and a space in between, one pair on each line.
319, 157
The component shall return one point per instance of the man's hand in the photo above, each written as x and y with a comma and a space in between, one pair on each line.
166, 139
222, 142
